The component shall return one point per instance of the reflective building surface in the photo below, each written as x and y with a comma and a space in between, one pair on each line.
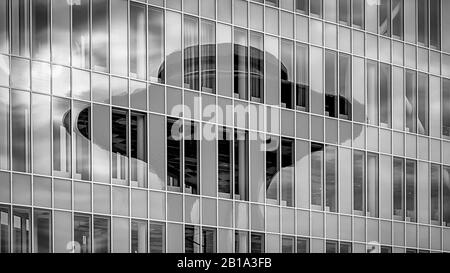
225, 126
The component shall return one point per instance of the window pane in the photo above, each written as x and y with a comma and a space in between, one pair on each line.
21, 229
225, 154
138, 41
118, 30
330, 10
100, 35
241, 165
384, 18
191, 54
102, 235
121, 240
138, 150
359, 196
435, 192
157, 153
287, 172
272, 83
287, 74
372, 92
385, 95
225, 7
192, 241
173, 154
411, 191
5, 223
435, 24
240, 63
331, 178
224, 59
316, 174
20, 130
422, 22
157, 238
344, 11
410, 100
191, 157
208, 51
331, 106
156, 45
257, 67
372, 185
41, 29
272, 169
4, 27
345, 87
61, 33
138, 236
358, 13
397, 19
62, 138
101, 143
4, 123
257, 243
399, 188
20, 27
209, 240
62, 231
41, 110
446, 196
173, 56
42, 231
80, 34
20, 73
410, 21
316, 8
119, 91
398, 99
422, 104
119, 145
302, 245
317, 81
302, 80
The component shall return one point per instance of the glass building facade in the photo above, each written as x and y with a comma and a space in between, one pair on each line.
224, 126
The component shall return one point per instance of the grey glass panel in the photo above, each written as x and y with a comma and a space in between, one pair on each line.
191, 53
192, 239
4, 70
240, 13
224, 59
4, 123
42, 231
40, 77
156, 45
20, 73
138, 41
208, 8
20, 130
287, 172
81, 84
139, 236
385, 95
191, 157
358, 13
138, 95
20, 27
372, 92
41, 111
62, 231
21, 189
157, 237
60, 31
62, 194
317, 100
302, 77
331, 78
331, 186
41, 29
411, 191
62, 137
173, 46
208, 160
446, 196
256, 17
80, 34
120, 236
316, 32
330, 10
21, 230
240, 64
174, 4
82, 196
225, 157
287, 74
384, 15
138, 149
435, 24
42, 191
272, 70
410, 100
372, 185
82, 233
399, 188
118, 30
359, 196
208, 54
100, 35
422, 104
345, 88
120, 146
256, 67
61, 80
241, 155
119, 92
102, 235
397, 19
272, 169
5, 229
446, 107
174, 150
435, 194
4, 27
410, 25
398, 97
316, 8
345, 180
422, 22
100, 143
102, 199
225, 10
317, 155
209, 240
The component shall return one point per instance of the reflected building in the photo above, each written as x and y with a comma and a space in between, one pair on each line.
338, 139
